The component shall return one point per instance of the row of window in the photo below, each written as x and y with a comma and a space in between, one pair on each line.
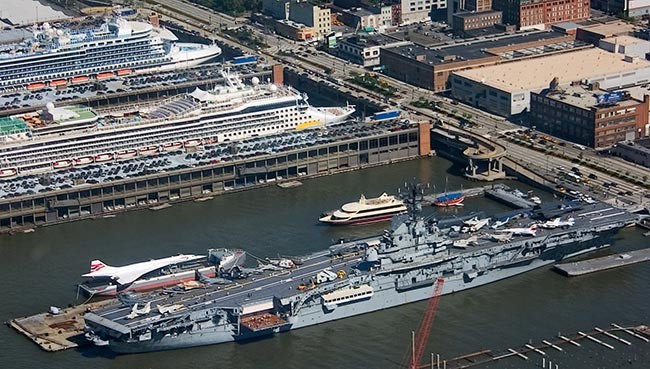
338, 299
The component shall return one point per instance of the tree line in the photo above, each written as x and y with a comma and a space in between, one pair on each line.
232, 7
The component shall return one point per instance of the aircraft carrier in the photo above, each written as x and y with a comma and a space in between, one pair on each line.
405, 264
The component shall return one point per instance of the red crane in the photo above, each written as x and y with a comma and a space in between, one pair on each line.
424, 330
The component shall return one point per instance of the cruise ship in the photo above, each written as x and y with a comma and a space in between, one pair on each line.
415, 259
60, 137
54, 57
366, 211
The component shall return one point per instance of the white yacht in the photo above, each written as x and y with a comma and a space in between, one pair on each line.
366, 210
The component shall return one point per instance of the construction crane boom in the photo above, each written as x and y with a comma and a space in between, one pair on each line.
424, 330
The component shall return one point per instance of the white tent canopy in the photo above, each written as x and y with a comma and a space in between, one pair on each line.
203, 95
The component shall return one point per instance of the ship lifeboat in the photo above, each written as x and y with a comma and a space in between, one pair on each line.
125, 154
80, 79
172, 146
83, 160
104, 75
149, 150
193, 143
35, 86
8, 172
62, 164
58, 82
103, 157
124, 72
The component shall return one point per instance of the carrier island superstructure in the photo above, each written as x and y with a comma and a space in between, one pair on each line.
401, 266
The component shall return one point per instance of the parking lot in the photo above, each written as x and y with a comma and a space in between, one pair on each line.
203, 156
131, 83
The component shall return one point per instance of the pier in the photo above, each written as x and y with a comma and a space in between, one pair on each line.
345, 152
545, 351
603, 263
56, 330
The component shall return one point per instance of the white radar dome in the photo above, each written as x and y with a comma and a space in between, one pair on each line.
372, 255
255, 81
50, 106
273, 88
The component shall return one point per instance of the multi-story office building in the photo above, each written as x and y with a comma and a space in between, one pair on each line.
587, 115
304, 12
414, 11
467, 21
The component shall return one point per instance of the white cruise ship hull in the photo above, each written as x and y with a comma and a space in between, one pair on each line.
197, 120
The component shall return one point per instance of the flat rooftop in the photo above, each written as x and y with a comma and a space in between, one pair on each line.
491, 31
638, 92
291, 23
611, 29
24, 12
360, 12
580, 96
642, 145
472, 14
472, 50
625, 40
423, 35
535, 74
371, 40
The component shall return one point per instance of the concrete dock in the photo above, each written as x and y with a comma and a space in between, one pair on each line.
56, 332
603, 263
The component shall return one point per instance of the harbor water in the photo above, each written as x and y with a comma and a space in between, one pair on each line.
40, 269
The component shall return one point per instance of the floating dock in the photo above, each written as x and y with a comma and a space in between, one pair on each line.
607, 262
160, 207
56, 332
290, 184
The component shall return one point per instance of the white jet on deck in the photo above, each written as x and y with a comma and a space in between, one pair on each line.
129, 273
558, 223
476, 224
530, 231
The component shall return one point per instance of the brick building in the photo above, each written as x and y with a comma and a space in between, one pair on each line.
430, 67
589, 116
467, 21
541, 14
478, 5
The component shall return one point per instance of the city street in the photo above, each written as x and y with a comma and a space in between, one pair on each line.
306, 58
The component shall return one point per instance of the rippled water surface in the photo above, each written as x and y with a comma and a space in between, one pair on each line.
41, 269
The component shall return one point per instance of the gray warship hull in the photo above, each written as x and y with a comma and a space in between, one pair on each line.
403, 268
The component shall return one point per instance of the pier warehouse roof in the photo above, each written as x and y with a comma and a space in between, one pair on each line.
25, 12
504, 89
430, 67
